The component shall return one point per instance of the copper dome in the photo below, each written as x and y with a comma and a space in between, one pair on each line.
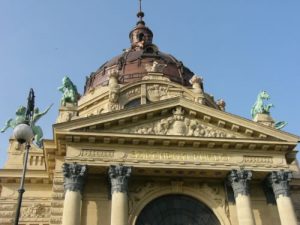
131, 63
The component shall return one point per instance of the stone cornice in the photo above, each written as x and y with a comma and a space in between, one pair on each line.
210, 143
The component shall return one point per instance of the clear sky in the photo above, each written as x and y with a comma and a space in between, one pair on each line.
239, 47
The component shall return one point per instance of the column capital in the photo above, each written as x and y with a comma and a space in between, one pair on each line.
74, 175
239, 180
279, 181
119, 176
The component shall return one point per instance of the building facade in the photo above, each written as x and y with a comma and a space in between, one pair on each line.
146, 145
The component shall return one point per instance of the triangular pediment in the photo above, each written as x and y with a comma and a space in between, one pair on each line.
178, 123
175, 117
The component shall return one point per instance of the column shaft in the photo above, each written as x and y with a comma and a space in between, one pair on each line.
72, 208
244, 210
74, 175
239, 180
119, 176
286, 211
279, 181
119, 209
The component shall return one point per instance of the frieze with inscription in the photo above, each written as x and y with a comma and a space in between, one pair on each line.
140, 155
178, 156
258, 159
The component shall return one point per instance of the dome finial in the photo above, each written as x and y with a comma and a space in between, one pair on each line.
140, 14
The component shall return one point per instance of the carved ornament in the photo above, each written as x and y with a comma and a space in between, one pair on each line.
74, 175
279, 181
239, 180
119, 176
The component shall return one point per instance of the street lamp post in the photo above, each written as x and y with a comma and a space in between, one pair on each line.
24, 134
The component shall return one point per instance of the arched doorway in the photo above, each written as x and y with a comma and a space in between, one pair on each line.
176, 210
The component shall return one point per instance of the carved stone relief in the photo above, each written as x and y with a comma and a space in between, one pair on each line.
36, 210
157, 92
179, 124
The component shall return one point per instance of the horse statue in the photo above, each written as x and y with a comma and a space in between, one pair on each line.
69, 90
259, 106
21, 118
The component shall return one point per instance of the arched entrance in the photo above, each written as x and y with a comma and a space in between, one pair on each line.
176, 210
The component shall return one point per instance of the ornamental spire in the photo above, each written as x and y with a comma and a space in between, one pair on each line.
140, 14
141, 36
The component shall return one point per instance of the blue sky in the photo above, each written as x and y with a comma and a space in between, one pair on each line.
239, 47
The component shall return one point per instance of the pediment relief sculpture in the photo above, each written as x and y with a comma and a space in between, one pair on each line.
180, 124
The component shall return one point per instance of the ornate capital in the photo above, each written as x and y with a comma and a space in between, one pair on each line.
279, 181
239, 180
74, 175
119, 176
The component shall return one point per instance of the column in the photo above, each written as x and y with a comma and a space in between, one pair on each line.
119, 176
279, 180
74, 175
239, 180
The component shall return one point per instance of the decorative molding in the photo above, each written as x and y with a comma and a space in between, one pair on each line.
132, 93
155, 76
74, 175
119, 176
279, 181
239, 180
